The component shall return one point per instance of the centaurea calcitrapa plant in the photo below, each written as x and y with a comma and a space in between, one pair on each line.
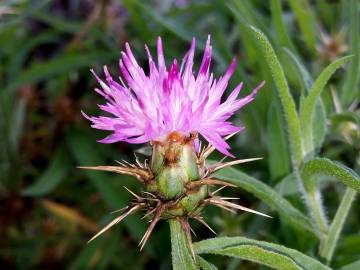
170, 109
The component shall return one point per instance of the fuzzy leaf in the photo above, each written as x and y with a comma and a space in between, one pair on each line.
352, 266
324, 166
181, 256
266, 194
318, 123
287, 101
205, 265
272, 255
308, 107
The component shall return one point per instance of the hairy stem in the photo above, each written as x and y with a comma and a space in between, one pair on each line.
181, 256
329, 244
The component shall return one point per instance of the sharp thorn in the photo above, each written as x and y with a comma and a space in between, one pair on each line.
148, 193
220, 165
193, 232
219, 189
119, 210
203, 222
230, 198
219, 202
208, 181
116, 221
149, 213
132, 193
149, 230
221, 206
186, 228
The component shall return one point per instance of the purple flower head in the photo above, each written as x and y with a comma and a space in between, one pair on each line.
151, 106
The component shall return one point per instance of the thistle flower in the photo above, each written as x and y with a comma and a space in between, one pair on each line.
169, 108
151, 106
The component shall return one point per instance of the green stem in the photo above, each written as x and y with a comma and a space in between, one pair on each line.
181, 256
328, 246
317, 213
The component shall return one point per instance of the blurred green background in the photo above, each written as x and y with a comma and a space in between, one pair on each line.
49, 209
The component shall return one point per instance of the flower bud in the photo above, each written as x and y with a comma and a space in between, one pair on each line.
174, 164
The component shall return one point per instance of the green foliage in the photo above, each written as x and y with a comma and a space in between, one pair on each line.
287, 101
351, 87
304, 122
272, 255
323, 166
308, 111
52, 177
266, 194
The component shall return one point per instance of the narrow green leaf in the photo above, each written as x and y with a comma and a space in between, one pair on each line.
176, 28
62, 64
319, 126
329, 244
306, 21
247, 12
281, 31
279, 160
269, 254
23, 12
308, 107
352, 266
306, 81
17, 123
83, 259
287, 101
52, 177
181, 256
265, 193
324, 166
205, 265
304, 76
350, 89
18, 60
58, 23
287, 186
